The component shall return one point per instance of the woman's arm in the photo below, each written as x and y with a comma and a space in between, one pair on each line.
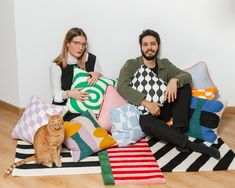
55, 79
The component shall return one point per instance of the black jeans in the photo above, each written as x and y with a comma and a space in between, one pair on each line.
179, 109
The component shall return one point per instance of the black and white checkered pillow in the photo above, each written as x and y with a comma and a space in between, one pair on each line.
148, 83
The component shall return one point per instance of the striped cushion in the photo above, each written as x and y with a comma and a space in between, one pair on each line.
96, 92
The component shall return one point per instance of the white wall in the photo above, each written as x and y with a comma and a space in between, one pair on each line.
190, 31
9, 90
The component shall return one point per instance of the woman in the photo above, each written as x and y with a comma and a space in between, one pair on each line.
74, 52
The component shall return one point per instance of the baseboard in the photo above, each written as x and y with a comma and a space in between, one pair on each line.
229, 110
11, 107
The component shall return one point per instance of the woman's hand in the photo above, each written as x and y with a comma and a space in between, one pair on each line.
153, 107
94, 76
171, 90
77, 94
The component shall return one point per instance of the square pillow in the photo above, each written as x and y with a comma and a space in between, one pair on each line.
152, 86
34, 117
83, 136
125, 125
205, 116
112, 99
96, 92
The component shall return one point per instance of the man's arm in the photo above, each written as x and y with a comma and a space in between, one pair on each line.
181, 76
125, 90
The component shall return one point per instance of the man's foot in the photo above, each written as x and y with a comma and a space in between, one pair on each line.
183, 150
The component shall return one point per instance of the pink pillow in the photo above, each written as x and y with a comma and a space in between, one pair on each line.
112, 99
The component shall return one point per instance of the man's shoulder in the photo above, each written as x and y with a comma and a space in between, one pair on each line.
164, 60
135, 61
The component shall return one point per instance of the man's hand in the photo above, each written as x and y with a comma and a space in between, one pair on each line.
171, 90
153, 108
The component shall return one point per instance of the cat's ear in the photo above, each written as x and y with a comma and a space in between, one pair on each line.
61, 114
48, 115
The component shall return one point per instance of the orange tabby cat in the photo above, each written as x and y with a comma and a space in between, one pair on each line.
47, 144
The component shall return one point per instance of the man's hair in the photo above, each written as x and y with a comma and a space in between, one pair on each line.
149, 32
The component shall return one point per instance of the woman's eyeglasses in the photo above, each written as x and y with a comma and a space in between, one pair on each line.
79, 44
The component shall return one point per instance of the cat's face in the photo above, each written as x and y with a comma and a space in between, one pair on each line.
56, 122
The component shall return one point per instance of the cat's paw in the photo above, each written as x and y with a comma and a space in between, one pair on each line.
58, 163
48, 164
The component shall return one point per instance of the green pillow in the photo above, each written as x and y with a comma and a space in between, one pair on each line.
96, 92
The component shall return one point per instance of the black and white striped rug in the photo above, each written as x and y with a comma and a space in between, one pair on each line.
89, 165
171, 160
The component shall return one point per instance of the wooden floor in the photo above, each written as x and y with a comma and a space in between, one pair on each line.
220, 179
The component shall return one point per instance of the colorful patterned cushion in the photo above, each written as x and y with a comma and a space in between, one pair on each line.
205, 117
147, 82
207, 93
83, 136
125, 125
34, 117
96, 92
112, 99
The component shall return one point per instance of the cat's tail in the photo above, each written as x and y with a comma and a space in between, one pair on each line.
19, 163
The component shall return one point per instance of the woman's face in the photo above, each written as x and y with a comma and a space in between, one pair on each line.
77, 46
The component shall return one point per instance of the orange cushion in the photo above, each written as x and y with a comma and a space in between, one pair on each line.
208, 93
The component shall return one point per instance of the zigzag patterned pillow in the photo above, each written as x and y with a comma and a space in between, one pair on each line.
96, 92
147, 82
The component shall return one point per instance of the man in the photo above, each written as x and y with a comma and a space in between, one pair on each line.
177, 96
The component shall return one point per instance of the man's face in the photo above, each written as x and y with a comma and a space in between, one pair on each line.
149, 47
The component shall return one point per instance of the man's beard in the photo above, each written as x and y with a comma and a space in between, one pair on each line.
149, 58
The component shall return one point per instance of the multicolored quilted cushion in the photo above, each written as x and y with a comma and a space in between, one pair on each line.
205, 117
112, 99
34, 117
83, 136
125, 125
96, 92
147, 82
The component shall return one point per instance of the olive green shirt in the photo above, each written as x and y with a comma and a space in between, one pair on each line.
166, 71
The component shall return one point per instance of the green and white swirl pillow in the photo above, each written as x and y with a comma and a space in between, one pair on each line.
96, 92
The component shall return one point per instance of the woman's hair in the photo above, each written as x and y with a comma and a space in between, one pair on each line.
62, 58
149, 32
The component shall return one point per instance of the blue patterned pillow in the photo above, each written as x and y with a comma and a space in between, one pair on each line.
205, 117
125, 125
